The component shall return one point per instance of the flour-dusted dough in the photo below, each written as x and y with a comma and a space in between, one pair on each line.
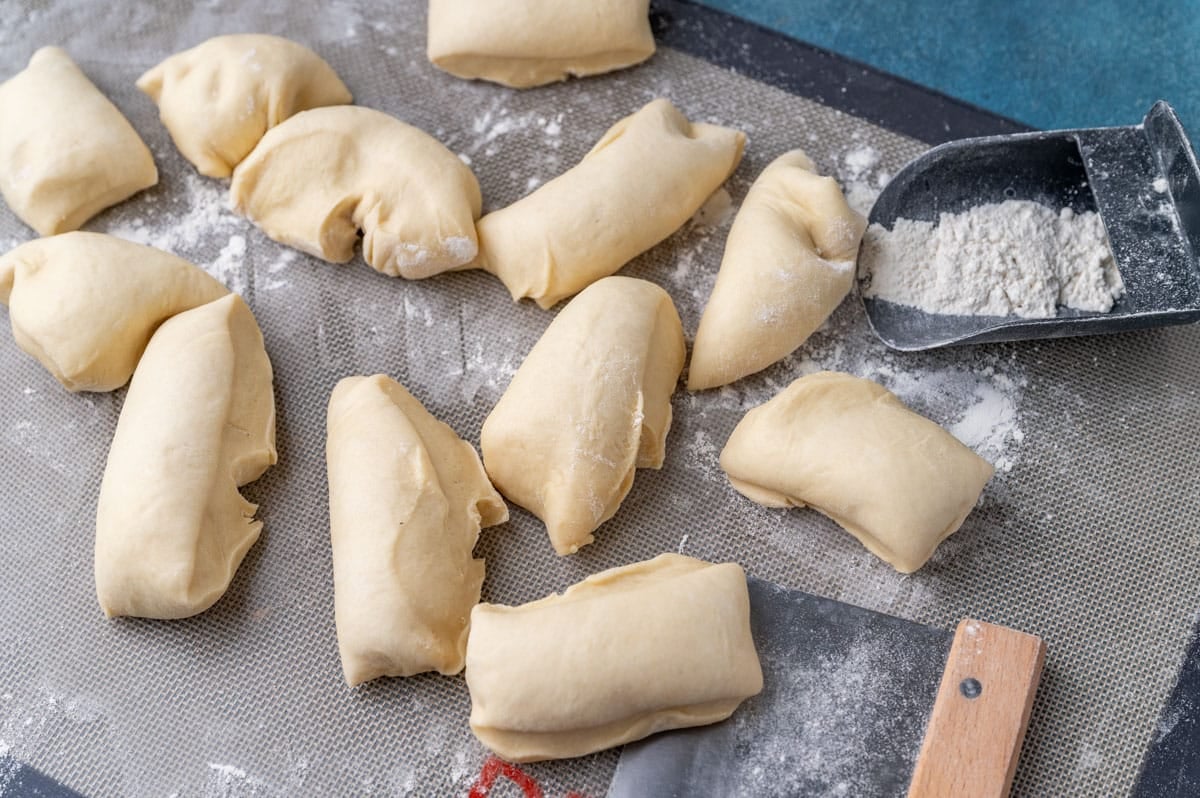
850, 449
66, 152
85, 304
661, 644
318, 178
523, 43
789, 262
407, 498
590, 404
198, 422
219, 98
647, 176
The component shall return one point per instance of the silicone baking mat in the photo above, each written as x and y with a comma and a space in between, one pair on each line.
1086, 536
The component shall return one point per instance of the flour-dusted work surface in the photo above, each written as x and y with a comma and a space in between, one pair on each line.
1085, 536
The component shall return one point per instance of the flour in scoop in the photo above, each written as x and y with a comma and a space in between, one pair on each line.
1012, 258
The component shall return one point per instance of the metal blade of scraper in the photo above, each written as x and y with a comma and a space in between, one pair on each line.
848, 694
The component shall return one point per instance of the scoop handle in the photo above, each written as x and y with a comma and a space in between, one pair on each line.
977, 726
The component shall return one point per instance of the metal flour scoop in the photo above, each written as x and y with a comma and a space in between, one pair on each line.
1142, 180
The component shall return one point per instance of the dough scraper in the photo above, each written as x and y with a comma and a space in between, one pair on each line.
1142, 180
854, 703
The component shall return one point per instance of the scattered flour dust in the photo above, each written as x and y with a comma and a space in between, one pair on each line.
861, 177
197, 224
818, 726
1090, 760
1011, 258
228, 781
861, 160
496, 122
978, 402
231, 781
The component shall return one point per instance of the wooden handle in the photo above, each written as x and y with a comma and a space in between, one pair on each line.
978, 722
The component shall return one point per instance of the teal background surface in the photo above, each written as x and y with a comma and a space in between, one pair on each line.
1047, 63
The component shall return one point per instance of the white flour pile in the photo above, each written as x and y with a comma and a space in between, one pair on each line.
1013, 258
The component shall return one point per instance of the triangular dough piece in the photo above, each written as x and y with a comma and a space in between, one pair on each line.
85, 304
590, 404
789, 262
219, 98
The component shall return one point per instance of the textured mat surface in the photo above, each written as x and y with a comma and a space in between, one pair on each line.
1086, 536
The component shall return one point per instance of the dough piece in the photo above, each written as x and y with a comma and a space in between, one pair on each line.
407, 498
591, 403
198, 422
318, 178
85, 304
66, 152
525, 43
789, 262
219, 98
640, 183
661, 644
851, 450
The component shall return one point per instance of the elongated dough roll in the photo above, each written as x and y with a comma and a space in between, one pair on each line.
85, 304
523, 43
219, 98
316, 179
66, 152
661, 644
851, 450
407, 498
789, 262
198, 423
647, 176
590, 404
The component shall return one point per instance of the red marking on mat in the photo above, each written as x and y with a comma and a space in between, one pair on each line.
494, 768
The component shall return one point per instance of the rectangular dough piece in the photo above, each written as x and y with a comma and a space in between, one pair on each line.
648, 174
407, 498
848, 448
66, 152
198, 423
524, 43
656, 645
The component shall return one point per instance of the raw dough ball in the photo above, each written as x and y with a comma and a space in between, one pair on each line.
219, 98
523, 43
645, 178
198, 422
789, 262
591, 403
657, 645
66, 152
85, 304
316, 179
849, 449
407, 498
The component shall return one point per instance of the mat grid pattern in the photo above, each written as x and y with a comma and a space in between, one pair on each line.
1088, 539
